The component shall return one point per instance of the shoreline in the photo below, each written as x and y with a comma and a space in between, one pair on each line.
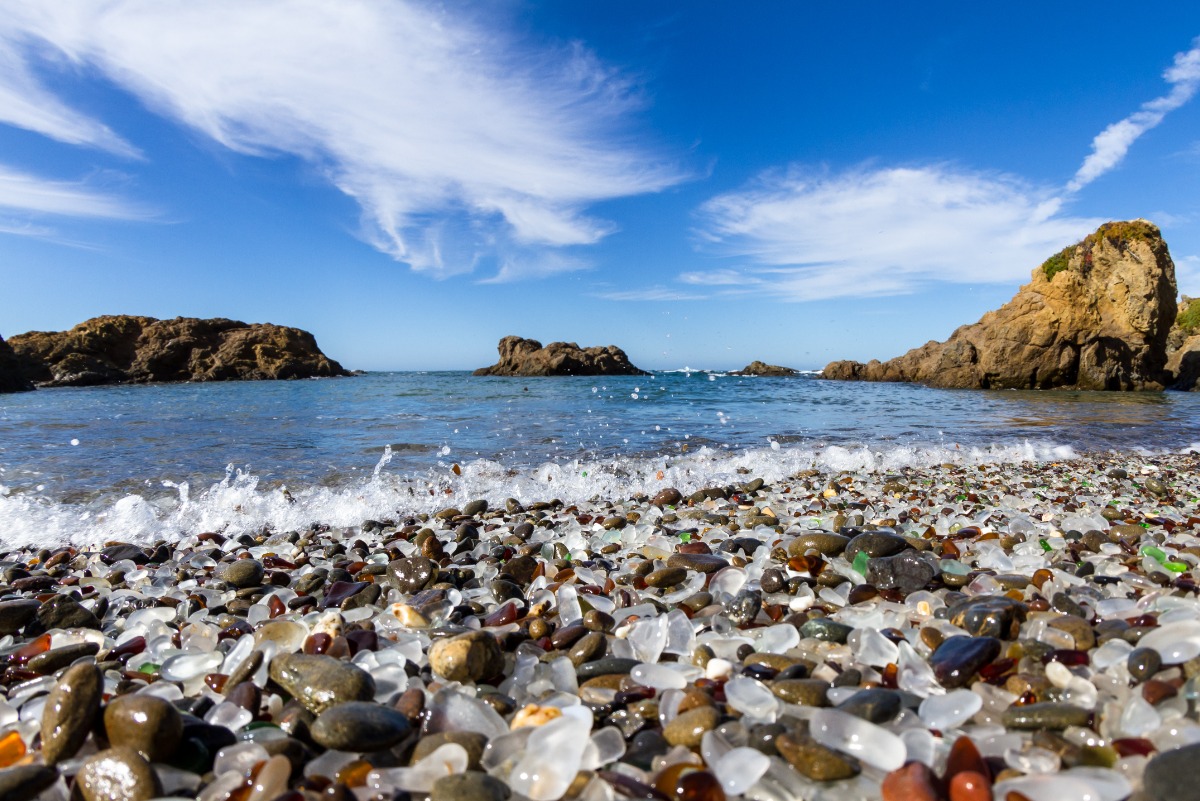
980, 619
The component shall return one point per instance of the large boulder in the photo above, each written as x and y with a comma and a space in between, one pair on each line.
12, 376
126, 349
1096, 316
1183, 346
765, 370
527, 357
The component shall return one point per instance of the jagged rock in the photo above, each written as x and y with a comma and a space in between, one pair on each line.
12, 377
763, 369
527, 357
124, 349
1095, 316
1183, 346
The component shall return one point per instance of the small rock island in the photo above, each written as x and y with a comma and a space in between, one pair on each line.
124, 349
757, 368
528, 358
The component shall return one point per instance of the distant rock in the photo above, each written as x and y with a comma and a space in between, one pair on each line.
763, 369
527, 357
1095, 316
124, 349
12, 377
1183, 346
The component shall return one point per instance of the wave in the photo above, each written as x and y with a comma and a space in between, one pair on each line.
239, 502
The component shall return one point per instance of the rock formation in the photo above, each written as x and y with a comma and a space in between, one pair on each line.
1183, 346
124, 349
766, 370
1095, 316
527, 357
12, 377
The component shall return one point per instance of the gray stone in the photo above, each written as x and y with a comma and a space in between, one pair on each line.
470, 786
319, 682
25, 782
1172, 775
359, 726
242, 573
907, 571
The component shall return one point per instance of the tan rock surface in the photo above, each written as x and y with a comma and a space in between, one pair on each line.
1095, 316
125, 349
763, 369
527, 357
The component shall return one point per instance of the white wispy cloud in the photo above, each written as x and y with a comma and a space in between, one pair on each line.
24, 103
30, 194
1110, 145
423, 115
807, 234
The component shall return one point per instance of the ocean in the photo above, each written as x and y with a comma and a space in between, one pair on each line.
149, 463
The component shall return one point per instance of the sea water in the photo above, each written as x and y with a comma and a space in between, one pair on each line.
143, 463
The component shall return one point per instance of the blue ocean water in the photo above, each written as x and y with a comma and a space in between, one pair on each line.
149, 462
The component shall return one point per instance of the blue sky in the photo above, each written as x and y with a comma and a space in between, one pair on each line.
700, 183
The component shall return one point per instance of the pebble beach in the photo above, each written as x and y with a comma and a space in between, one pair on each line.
944, 633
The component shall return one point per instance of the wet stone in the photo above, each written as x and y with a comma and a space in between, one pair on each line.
1143, 663
587, 648
319, 682
1156, 486
822, 628
688, 728
959, 658
876, 705
25, 782
521, 568
1173, 775
805, 692
122, 551
667, 577
412, 574
70, 710
15, 614
472, 786
472, 742
875, 544
814, 760
470, 657
825, 543
475, 507
58, 658
147, 724
359, 726
64, 612
117, 774
700, 562
242, 573
987, 615
907, 571
611, 665
1045, 715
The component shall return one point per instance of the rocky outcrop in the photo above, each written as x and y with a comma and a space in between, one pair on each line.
125, 349
1095, 316
1183, 346
766, 370
527, 357
12, 377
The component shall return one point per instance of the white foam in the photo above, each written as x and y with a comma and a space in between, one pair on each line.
238, 503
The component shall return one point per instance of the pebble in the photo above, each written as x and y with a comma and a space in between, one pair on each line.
413, 574
319, 682
907, 571
1173, 775
700, 562
117, 774
70, 711
469, 786
474, 656
359, 726
1143, 663
825, 543
25, 782
688, 728
1045, 715
959, 658
876, 704
242, 573
146, 723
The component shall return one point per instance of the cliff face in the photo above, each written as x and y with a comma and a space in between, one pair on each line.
1095, 316
527, 357
1183, 347
125, 349
12, 377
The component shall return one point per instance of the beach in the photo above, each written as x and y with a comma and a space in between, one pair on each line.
957, 631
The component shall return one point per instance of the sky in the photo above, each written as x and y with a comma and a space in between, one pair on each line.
699, 183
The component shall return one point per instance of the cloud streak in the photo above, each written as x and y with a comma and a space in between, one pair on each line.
1110, 145
809, 235
421, 115
33, 195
